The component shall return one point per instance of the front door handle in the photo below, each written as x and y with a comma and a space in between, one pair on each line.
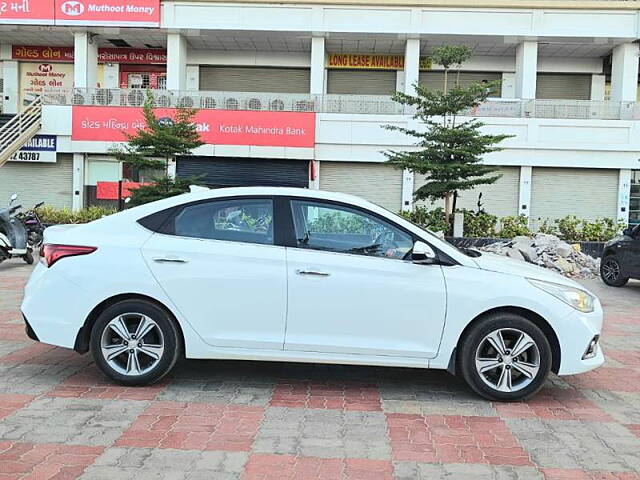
315, 273
170, 260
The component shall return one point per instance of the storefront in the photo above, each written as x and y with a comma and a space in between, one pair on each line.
220, 172
634, 198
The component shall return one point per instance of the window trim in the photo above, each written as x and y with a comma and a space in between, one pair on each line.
168, 225
290, 240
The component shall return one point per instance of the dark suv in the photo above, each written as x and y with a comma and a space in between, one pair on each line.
621, 258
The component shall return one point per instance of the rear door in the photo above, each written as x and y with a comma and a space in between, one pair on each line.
218, 262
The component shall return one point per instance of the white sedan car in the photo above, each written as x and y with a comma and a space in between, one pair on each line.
303, 276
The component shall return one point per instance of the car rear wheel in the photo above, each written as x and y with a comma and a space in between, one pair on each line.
135, 342
611, 272
505, 357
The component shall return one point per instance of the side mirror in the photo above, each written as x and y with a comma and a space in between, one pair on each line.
628, 232
422, 254
13, 198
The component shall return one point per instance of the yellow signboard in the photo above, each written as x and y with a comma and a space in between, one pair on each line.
365, 61
360, 61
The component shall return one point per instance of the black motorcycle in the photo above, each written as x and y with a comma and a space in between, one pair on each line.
34, 226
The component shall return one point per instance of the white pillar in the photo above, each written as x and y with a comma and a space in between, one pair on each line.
411, 65
624, 192
316, 86
624, 73
77, 201
524, 195
597, 87
193, 77
176, 62
172, 168
111, 75
85, 63
508, 85
408, 181
526, 69
11, 75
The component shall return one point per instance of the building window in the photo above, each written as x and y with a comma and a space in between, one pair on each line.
634, 198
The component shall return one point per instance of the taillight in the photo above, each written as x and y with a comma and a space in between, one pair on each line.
52, 252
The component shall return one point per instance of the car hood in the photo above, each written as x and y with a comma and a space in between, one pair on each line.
498, 263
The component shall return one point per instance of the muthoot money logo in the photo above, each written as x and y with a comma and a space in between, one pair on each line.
72, 8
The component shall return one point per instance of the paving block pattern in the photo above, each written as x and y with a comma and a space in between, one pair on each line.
60, 418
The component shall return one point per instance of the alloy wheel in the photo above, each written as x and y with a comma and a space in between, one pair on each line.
132, 344
611, 270
507, 360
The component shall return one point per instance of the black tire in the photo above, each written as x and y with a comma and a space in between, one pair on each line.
28, 257
170, 338
471, 343
611, 272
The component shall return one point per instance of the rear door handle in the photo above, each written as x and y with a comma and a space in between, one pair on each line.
315, 273
170, 260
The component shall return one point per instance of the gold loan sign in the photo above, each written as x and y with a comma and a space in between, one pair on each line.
358, 61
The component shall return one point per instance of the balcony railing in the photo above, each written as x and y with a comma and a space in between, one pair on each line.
348, 104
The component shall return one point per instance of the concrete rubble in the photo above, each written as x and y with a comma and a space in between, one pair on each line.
548, 251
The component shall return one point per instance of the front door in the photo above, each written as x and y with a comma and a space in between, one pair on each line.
351, 289
219, 265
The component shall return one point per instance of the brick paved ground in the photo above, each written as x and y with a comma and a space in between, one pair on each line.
61, 419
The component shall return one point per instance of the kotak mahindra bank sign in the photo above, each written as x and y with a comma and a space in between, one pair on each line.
216, 127
141, 13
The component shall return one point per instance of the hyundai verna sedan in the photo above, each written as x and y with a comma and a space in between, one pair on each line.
298, 275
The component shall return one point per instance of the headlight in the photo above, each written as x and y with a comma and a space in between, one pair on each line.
578, 299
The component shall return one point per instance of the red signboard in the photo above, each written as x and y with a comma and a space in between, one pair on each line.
108, 12
35, 12
109, 190
133, 13
141, 56
216, 127
42, 54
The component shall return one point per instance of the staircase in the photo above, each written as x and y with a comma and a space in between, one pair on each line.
16, 130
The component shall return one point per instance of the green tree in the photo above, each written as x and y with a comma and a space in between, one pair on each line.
161, 139
154, 146
449, 151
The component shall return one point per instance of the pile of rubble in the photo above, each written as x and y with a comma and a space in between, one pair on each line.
551, 252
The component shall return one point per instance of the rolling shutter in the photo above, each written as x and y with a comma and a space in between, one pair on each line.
361, 82
255, 79
51, 183
435, 80
586, 193
563, 86
376, 182
499, 198
245, 172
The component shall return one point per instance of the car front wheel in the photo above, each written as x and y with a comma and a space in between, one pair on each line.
505, 357
135, 342
611, 272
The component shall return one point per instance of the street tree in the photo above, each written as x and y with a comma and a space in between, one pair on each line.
449, 149
154, 146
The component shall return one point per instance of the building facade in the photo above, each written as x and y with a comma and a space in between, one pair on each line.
297, 93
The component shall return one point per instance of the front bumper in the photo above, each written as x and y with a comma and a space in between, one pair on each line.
576, 333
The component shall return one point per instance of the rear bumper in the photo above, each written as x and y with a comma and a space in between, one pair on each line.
53, 308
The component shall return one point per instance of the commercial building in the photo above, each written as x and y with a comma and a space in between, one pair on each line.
296, 93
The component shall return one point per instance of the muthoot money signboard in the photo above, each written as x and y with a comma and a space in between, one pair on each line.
140, 13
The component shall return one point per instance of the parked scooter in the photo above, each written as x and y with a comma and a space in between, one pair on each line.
33, 224
13, 234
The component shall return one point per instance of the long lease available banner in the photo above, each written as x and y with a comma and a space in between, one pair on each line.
216, 127
129, 13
